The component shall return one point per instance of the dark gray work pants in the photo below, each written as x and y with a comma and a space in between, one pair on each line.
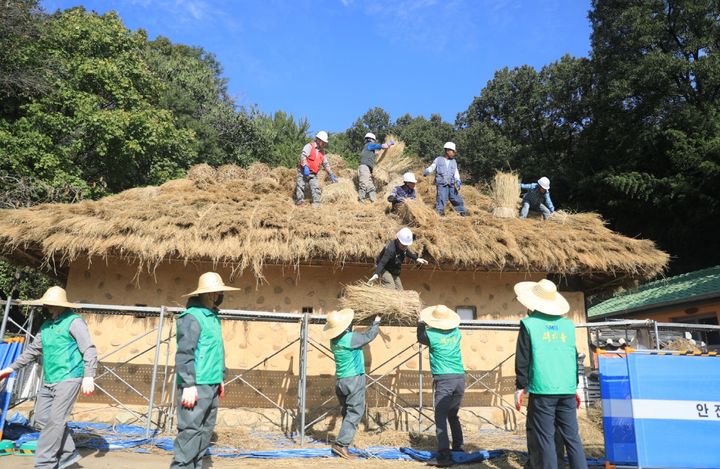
548, 415
351, 394
449, 392
195, 427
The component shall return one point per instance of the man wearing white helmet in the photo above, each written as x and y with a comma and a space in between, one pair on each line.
406, 191
366, 166
389, 261
447, 181
537, 198
311, 158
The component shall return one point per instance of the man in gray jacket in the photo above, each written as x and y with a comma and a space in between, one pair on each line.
367, 164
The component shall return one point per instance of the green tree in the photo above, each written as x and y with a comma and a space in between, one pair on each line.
375, 120
424, 137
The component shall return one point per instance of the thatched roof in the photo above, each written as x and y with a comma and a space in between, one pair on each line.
246, 218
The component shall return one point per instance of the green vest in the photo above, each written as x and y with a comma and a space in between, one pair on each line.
210, 350
553, 369
348, 361
61, 356
445, 356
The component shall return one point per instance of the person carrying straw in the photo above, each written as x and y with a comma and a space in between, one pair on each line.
69, 360
389, 262
346, 347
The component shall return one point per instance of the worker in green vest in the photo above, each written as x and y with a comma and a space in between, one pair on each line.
69, 360
546, 369
438, 329
200, 367
346, 346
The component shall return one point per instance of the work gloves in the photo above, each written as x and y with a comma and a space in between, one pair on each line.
377, 318
189, 397
421, 261
88, 385
578, 400
519, 394
373, 279
426, 172
391, 143
5, 372
306, 171
458, 183
221, 393
333, 179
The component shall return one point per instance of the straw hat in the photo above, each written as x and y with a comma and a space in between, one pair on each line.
210, 282
54, 296
440, 317
542, 296
337, 322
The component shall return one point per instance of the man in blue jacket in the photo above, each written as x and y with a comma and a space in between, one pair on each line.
537, 198
447, 180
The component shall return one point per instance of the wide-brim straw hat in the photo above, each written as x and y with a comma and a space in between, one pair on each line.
337, 322
440, 317
543, 297
210, 282
54, 296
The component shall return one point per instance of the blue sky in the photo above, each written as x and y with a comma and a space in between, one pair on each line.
332, 60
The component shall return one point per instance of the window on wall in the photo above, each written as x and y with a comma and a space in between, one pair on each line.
466, 313
307, 309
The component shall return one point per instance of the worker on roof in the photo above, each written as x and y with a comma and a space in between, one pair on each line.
546, 370
200, 368
346, 347
447, 180
311, 158
389, 262
537, 198
367, 164
438, 328
69, 360
403, 192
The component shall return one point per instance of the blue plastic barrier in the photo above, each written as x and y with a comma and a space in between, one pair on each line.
661, 411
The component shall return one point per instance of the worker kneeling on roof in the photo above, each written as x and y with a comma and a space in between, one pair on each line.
404, 192
200, 367
438, 329
546, 369
346, 347
311, 158
389, 261
537, 198
69, 360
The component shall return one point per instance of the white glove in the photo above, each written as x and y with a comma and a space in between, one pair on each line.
373, 279
519, 394
189, 397
377, 318
5, 372
88, 385
421, 261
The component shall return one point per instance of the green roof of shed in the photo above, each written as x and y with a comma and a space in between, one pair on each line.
681, 288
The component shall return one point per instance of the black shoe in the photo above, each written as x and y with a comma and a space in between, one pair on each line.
444, 458
459, 448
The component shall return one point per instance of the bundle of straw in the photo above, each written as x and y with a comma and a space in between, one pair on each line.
342, 191
230, 172
416, 213
506, 191
397, 307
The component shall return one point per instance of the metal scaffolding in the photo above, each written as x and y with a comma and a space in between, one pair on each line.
297, 419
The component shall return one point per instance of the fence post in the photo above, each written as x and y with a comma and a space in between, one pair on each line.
420, 380
302, 383
154, 372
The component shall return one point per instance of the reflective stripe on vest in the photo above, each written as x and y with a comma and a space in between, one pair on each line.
315, 158
61, 355
554, 363
209, 352
445, 356
348, 361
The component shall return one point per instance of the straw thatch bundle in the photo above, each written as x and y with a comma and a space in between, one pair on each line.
252, 220
398, 307
391, 164
506, 193
229, 172
342, 191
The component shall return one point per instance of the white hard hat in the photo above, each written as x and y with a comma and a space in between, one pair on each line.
409, 177
544, 183
449, 146
370, 135
405, 236
322, 135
